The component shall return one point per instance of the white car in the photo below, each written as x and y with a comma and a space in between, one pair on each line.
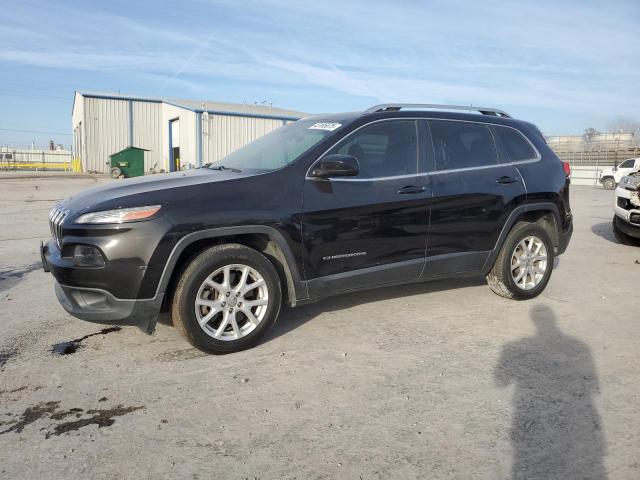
626, 221
610, 177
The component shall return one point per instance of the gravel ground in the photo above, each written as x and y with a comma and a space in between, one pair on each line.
434, 380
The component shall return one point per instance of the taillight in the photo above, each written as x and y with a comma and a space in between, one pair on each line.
567, 169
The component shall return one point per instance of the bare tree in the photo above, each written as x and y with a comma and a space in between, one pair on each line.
588, 136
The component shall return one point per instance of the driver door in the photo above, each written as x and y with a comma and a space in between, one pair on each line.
368, 229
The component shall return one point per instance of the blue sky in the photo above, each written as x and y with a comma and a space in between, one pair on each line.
565, 66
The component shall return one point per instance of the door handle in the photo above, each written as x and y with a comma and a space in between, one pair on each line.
411, 189
506, 180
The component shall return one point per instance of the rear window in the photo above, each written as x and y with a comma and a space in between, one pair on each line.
462, 145
512, 144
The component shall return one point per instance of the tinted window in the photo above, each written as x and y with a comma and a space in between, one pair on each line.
383, 149
628, 163
462, 145
513, 146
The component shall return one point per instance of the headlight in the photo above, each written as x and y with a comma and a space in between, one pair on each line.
120, 215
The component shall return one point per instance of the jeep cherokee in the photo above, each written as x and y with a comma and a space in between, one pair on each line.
326, 205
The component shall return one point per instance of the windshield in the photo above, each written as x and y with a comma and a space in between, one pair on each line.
278, 148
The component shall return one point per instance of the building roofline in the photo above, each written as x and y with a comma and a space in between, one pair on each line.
177, 104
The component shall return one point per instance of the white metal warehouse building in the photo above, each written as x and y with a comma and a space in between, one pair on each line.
175, 133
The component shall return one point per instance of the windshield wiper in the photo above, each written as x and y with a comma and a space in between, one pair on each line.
222, 167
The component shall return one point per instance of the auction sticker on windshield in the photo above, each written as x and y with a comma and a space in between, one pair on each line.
325, 126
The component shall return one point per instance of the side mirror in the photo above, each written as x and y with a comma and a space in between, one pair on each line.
615, 166
336, 165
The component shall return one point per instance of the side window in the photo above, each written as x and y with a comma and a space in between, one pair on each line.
383, 149
628, 163
512, 144
462, 145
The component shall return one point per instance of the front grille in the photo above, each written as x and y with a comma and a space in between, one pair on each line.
635, 218
56, 219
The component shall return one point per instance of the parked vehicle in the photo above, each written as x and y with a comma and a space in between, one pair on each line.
610, 177
325, 205
626, 221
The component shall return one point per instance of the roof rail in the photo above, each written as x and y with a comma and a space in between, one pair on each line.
394, 107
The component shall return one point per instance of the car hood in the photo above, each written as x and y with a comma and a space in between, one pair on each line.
630, 182
130, 191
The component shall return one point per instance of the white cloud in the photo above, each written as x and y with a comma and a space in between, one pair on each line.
566, 57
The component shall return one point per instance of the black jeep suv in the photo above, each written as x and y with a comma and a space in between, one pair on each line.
325, 205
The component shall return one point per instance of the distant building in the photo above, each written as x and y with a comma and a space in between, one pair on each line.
176, 133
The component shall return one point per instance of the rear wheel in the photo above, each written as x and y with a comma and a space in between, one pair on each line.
226, 299
524, 264
622, 237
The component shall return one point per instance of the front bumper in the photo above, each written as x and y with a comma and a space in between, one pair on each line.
627, 228
623, 215
99, 306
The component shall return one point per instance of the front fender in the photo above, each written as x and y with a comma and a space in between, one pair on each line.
292, 272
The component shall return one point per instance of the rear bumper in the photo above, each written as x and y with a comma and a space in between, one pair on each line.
99, 306
564, 238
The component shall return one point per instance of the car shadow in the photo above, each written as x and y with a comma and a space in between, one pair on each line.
604, 230
292, 318
556, 430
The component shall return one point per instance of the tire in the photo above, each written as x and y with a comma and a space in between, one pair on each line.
226, 300
609, 183
622, 237
500, 278
115, 172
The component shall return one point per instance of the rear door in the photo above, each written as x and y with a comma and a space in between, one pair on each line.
473, 194
370, 229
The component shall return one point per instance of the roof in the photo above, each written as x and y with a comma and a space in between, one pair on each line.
238, 109
429, 114
131, 147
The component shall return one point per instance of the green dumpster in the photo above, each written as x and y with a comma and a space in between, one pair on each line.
128, 162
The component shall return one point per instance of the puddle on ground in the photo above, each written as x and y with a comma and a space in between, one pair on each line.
100, 417
12, 275
5, 355
31, 414
72, 346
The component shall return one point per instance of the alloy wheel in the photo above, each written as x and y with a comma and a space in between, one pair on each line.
529, 262
231, 302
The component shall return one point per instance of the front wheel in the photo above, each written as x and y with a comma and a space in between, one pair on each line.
609, 183
226, 299
524, 264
